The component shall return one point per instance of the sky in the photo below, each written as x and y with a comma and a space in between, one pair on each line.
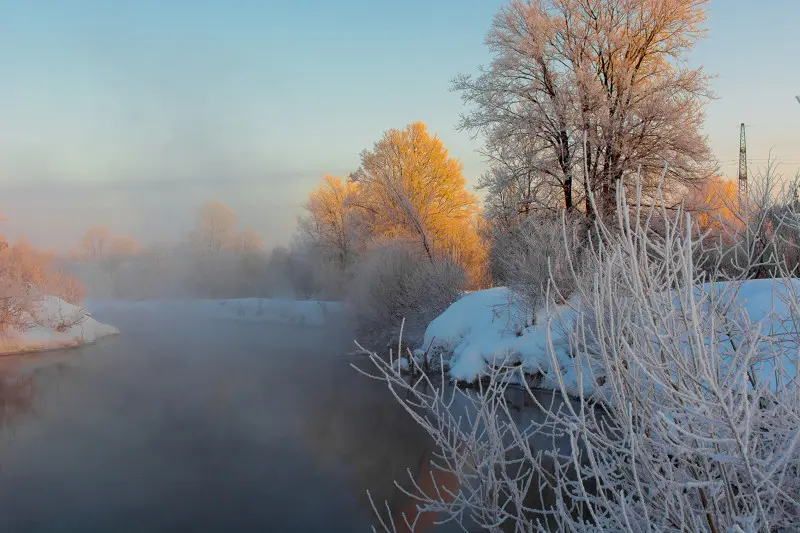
130, 114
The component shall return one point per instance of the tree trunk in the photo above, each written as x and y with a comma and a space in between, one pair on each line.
567, 186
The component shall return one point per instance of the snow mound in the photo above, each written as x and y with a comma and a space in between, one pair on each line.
55, 324
492, 327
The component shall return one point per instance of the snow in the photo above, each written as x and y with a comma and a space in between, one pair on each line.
765, 302
56, 324
492, 327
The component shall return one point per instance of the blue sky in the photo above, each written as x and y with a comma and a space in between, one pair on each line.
132, 113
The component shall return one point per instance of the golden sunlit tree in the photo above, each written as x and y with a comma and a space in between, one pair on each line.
715, 203
330, 223
411, 189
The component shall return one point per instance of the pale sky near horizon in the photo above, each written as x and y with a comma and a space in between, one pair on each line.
131, 114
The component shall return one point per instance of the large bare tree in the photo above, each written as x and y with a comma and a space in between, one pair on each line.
581, 93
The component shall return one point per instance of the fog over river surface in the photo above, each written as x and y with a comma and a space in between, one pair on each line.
186, 422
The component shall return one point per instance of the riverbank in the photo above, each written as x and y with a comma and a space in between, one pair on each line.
54, 325
57, 324
492, 327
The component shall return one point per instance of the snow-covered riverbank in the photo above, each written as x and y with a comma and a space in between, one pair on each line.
55, 324
492, 327
58, 324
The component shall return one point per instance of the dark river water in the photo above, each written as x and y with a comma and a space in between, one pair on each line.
189, 423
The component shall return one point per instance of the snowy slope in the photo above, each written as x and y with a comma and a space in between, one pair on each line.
490, 326
56, 324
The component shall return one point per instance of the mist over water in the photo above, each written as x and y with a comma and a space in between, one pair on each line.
55, 215
186, 424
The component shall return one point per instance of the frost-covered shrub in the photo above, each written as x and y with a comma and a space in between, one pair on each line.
534, 253
687, 419
17, 303
25, 275
750, 232
395, 282
291, 273
64, 286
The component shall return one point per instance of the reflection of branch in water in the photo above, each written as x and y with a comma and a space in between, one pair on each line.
16, 397
354, 425
432, 482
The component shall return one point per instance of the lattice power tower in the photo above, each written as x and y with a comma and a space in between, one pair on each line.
742, 162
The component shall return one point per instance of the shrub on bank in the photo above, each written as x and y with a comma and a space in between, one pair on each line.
394, 282
25, 275
692, 425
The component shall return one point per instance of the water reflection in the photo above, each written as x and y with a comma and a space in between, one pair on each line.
16, 397
525, 410
369, 432
185, 425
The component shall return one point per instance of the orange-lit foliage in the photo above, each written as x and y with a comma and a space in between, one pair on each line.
410, 188
715, 204
22, 268
330, 219
434, 483
122, 245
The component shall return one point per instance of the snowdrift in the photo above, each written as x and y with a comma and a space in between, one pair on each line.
492, 327
56, 324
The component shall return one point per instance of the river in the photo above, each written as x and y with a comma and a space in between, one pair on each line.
185, 422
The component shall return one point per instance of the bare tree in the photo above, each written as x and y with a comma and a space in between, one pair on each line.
94, 244
394, 283
215, 228
124, 245
581, 93
248, 241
